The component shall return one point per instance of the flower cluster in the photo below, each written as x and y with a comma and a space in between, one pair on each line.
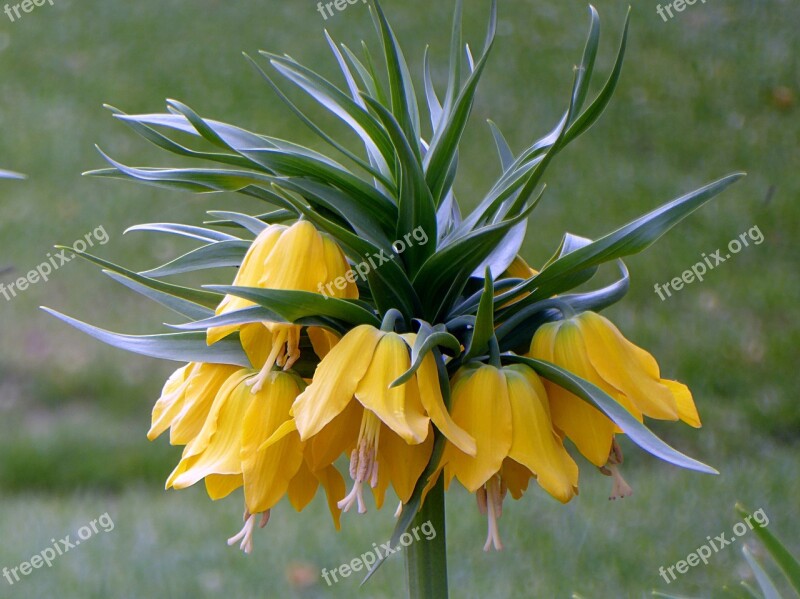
451, 359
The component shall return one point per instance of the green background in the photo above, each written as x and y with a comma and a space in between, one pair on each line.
712, 91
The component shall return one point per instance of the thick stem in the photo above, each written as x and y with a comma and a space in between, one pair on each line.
426, 560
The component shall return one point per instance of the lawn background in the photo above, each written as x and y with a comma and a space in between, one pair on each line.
710, 92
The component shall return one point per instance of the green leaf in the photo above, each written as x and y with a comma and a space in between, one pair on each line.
219, 254
401, 87
443, 276
504, 152
630, 239
484, 321
257, 314
165, 143
520, 320
789, 565
200, 233
176, 304
635, 430
368, 129
445, 142
762, 578
415, 208
427, 340
320, 133
252, 223
178, 347
294, 305
388, 282
198, 297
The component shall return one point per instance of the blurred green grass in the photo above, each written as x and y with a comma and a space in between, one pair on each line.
712, 91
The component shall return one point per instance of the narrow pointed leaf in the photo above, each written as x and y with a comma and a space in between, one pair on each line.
178, 347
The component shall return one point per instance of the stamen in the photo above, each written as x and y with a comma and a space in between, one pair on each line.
257, 382
363, 462
494, 502
480, 495
245, 535
619, 488
293, 347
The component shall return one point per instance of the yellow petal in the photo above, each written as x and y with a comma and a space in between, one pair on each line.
587, 427
515, 477
628, 371
171, 400
257, 342
336, 266
431, 396
297, 261
221, 453
335, 380
481, 407
334, 486
518, 269
340, 436
535, 444
219, 486
544, 341
322, 340
302, 487
268, 472
399, 408
687, 411
201, 390
248, 275
401, 462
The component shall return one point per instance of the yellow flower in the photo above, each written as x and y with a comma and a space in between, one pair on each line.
590, 346
349, 407
227, 453
506, 410
296, 258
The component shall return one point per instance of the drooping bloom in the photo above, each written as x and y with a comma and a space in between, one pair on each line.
295, 258
349, 407
590, 346
229, 452
506, 410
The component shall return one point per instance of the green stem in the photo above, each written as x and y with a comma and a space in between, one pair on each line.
426, 560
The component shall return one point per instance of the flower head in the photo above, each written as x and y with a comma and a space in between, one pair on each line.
350, 407
506, 410
294, 258
229, 450
590, 346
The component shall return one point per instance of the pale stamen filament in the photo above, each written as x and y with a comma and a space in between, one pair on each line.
257, 382
494, 501
619, 488
245, 535
363, 462
293, 347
